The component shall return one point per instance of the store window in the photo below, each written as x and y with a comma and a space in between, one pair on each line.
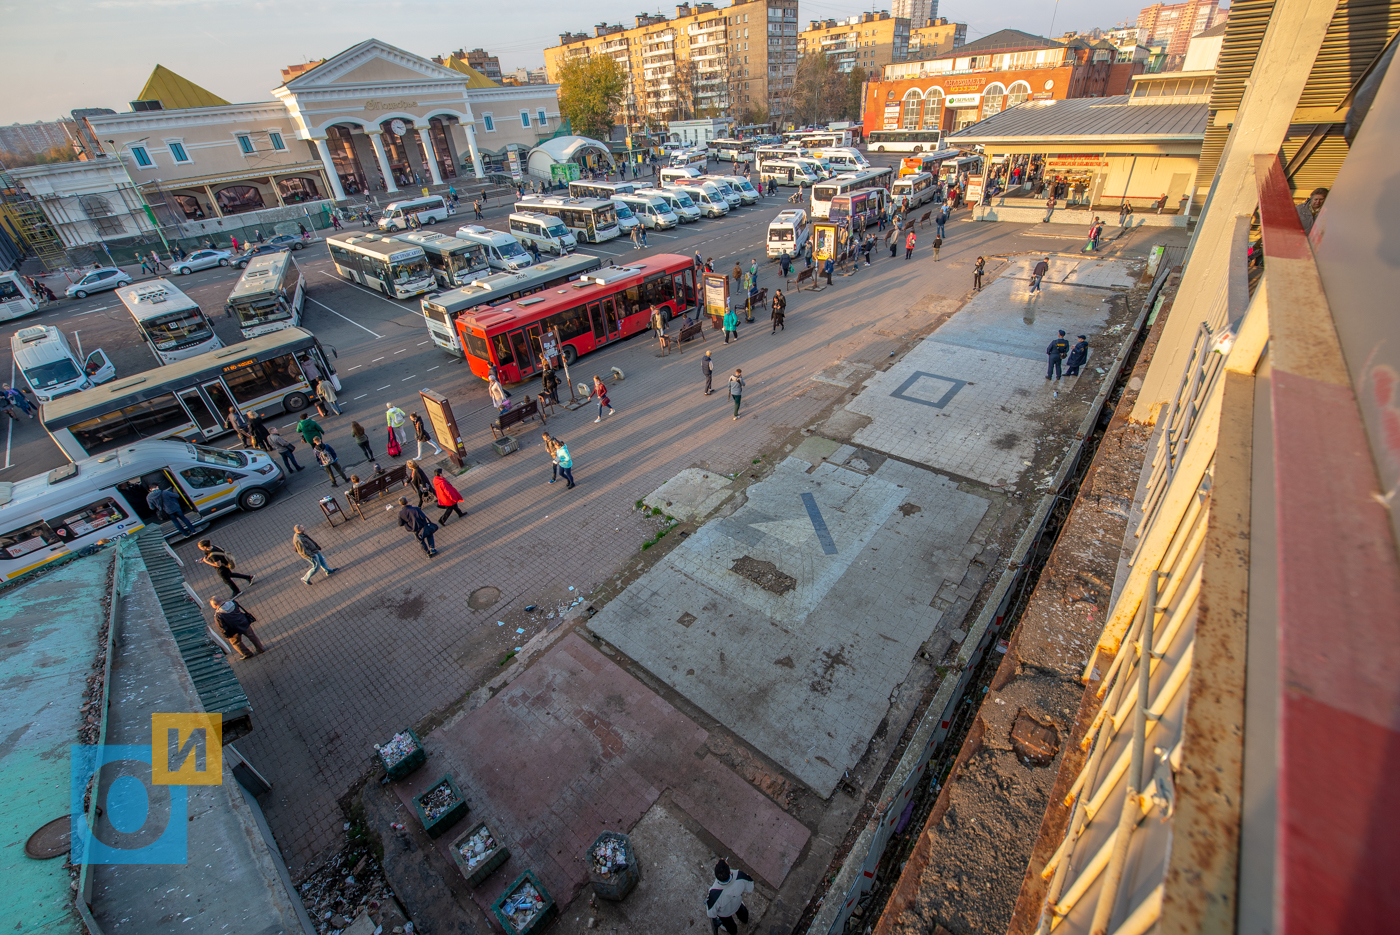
239, 198
189, 206
297, 190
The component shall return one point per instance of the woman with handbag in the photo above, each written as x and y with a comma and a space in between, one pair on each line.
416, 479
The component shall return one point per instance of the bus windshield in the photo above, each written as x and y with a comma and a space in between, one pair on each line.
464, 259
52, 373
9, 289
683, 200
167, 331
781, 233
217, 456
840, 209
261, 310
511, 249
409, 270
623, 211
556, 228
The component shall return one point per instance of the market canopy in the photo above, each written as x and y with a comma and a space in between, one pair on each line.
1088, 120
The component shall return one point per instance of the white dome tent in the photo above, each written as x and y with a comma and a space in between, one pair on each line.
564, 149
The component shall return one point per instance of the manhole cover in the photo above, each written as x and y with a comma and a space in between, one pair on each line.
52, 840
483, 598
764, 574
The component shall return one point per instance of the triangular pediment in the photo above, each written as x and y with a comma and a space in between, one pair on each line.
371, 62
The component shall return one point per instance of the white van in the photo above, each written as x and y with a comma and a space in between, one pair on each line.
50, 515
843, 159
742, 186
706, 197
788, 172
429, 210
626, 220
547, 233
788, 233
731, 196
678, 201
502, 250
651, 210
42, 354
674, 175
914, 190
820, 167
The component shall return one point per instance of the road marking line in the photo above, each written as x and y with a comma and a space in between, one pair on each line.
406, 379
356, 367
385, 387
376, 360
421, 343
431, 369
400, 350
361, 396
338, 315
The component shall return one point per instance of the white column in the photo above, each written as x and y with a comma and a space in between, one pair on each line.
471, 145
425, 134
332, 176
383, 158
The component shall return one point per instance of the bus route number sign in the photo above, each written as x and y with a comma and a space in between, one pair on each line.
242, 363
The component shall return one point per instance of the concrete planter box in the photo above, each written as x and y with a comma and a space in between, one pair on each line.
614, 884
478, 867
438, 825
409, 763
537, 922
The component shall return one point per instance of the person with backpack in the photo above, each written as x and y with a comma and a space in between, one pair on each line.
449, 498
284, 448
223, 565
394, 418
308, 549
416, 521
236, 624
326, 455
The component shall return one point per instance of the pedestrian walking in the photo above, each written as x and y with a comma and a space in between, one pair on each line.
784, 264
707, 366
724, 904
234, 241
731, 325
236, 624
564, 461
308, 549
335, 221
258, 235
499, 397
1078, 355
978, 269
1125, 214
223, 564
448, 497
357, 432
600, 390
1038, 274
394, 418
16, 396
237, 421
416, 522
415, 478
658, 324
940, 219
145, 265
642, 230
476, 206
1056, 352
779, 311
738, 276
167, 505
736, 390
325, 454
420, 434
326, 393
909, 243
1094, 233
1049, 209
551, 445
257, 426
549, 384
636, 237
309, 429
937, 244
284, 448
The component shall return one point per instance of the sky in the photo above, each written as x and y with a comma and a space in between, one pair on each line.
99, 53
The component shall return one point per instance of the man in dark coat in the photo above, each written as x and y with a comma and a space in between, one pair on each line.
236, 624
416, 521
1077, 356
164, 500
707, 366
1056, 352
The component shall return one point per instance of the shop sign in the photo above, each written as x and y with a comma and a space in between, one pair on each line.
963, 100
1076, 161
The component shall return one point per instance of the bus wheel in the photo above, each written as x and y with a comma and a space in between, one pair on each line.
254, 499
295, 402
570, 355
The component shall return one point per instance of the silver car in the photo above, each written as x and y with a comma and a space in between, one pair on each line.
201, 259
98, 280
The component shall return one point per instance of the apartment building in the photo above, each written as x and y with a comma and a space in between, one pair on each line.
917, 12
38, 137
935, 37
1173, 24
707, 60
870, 40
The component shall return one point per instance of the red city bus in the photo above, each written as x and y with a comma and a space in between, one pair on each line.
599, 308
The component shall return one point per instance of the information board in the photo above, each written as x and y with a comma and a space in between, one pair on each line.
716, 293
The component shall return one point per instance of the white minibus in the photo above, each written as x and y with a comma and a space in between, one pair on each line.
429, 210
502, 250
706, 197
678, 201
173, 324
843, 160
42, 354
731, 197
787, 172
547, 233
680, 174
583, 188
788, 233
914, 190
747, 193
15, 298
626, 221
650, 209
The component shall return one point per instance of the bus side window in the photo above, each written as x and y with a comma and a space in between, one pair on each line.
503, 352
88, 519
200, 478
27, 539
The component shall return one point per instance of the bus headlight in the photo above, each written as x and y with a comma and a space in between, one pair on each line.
265, 469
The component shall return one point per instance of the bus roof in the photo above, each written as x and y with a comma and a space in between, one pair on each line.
444, 243
38, 494
560, 201
154, 298
566, 295
153, 383
264, 274
789, 216
499, 284
385, 246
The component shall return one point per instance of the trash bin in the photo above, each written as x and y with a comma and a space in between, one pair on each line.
478, 853
525, 907
441, 807
612, 865
398, 757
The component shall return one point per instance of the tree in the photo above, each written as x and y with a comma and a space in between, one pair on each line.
590, 90
820, 91
59, 153
855, 90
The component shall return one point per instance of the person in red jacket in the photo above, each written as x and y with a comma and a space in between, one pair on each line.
447, 497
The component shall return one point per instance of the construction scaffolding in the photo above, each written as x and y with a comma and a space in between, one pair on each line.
27, 222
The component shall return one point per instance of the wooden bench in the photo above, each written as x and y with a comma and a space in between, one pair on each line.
924, 220
376, 488
528, 409
806, 275
689, 332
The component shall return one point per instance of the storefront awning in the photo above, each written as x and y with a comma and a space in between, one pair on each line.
1084, 121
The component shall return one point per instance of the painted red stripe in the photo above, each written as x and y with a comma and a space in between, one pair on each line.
1278, 216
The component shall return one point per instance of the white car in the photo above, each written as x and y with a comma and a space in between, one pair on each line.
201, 259
98, 280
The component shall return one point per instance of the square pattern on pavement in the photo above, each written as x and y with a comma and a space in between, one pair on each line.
803, 669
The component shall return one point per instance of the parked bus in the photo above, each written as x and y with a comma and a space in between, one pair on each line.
788, 233
926, 162
823, 192
730, 150
706, 196
842, 159
971, 163
173, 324
650, 209
787, 172
819, 139
741, 187
727, 191
503, 251
627, 222
865, 207
269, 295
46, 361
690, 157
604, 190
57, 513
397, 269
678, 201
191, 399
440, 310
546, 232
430, 209
453, 261
16, 300
903, 141
917, 189
591, 220
601, 308
783, 152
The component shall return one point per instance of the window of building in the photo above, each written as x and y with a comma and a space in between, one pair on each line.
245, 144
143, 158
276, 139
489, 122
912, 99
99, 209
525, 118
1020, 93
992, 99
177, 151
540, 116
933, 109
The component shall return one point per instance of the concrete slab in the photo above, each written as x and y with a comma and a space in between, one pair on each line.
815, 449
800, 656
691, 495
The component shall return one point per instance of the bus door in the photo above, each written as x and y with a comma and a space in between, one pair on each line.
595, 318
220, 399
532, 334
685, 291
610, 319
209, 423
524, 360
505, 358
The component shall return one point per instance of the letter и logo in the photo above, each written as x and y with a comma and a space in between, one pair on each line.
187, 749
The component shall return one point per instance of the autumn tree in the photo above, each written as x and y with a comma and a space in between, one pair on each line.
590, 90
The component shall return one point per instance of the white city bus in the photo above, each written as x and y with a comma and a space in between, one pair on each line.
787, 172
269, 295
173, 324
730, 150
431, 209
915, 190
842, 159
454, 261
817, 139
440, 310
823, 192
591, 220
604, 190
903, 141
397, 269
783, 152
15, 298
190, 400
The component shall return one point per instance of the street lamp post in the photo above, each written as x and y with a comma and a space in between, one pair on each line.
142, 195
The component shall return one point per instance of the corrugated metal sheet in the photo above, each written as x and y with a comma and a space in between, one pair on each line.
1357, 34
1320, 169
1243, 36
1104, 117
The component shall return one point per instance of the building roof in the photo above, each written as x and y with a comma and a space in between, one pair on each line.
1217, 30
1003, 40
175, 92
475, 79
1089, 119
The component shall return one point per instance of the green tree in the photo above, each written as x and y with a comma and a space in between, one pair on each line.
590, 89
60, 153
855, 90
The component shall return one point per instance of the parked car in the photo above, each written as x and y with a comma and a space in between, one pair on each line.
98, 280
201, 259
293, 241
261, 249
